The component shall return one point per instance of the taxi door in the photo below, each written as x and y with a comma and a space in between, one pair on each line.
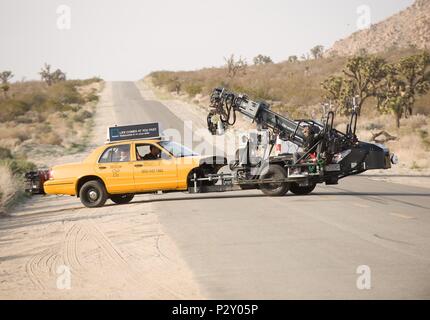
116, 169
154, 174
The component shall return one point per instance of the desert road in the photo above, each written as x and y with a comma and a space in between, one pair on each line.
235, 245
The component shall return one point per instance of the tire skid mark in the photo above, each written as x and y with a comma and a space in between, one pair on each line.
134, 276
71, 257
106, 245
157, 245
392, 240
40, 266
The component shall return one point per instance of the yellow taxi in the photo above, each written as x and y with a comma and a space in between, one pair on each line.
119, 170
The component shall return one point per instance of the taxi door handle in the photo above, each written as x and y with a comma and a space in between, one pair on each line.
138, 165
102, 167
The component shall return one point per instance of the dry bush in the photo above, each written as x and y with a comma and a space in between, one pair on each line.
82, 115
18, 132
411, 153
414, 122
9, 187
9, 143
412, 145
51, 138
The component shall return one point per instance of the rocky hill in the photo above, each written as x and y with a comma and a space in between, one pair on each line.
408, 28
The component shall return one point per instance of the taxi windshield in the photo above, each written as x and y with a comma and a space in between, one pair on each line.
177, 150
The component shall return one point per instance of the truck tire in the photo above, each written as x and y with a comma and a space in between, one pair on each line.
274, 189
122, 198
93, 194
298, 190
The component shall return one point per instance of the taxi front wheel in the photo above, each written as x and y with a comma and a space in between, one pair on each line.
93, 194
122, 198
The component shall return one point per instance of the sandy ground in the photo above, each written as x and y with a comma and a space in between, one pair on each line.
111, 252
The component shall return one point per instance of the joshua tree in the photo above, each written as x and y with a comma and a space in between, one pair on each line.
5, 76
338, 91
414, 71
392, 96
51, 77
261, 59
395, 86
235, 67
58, 76
366, 73
293, 59
317, 51
405, 80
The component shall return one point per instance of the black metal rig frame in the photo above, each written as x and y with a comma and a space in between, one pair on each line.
338, 154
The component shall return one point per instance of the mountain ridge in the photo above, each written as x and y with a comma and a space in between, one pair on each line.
409, 28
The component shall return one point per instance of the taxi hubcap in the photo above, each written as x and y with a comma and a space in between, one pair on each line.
93, 195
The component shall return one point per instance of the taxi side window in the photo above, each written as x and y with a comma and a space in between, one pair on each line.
119, 153
150, 152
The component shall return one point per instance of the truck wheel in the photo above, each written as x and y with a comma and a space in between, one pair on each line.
274, 189
93, 194
122, 198
296, 189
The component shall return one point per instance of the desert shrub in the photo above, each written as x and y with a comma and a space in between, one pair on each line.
50, 138
10, 109
77, 147
25, 118
18, 166
417, 121
35, 99
415, 166
174, 86
162, 78
9, 187
84, 82
20, 133
261, 93
193, 88
82, 115
5, 153
92, 97
65, 93
373, 126
425, 138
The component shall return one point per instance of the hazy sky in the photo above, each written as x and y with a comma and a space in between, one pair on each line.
127, 39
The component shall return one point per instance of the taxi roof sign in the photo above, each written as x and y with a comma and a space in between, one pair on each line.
135, 131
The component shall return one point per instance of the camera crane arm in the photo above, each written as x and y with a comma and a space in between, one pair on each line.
225, 104
330, 143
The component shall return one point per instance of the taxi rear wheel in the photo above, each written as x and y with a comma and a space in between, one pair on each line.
93, 194
122, 198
